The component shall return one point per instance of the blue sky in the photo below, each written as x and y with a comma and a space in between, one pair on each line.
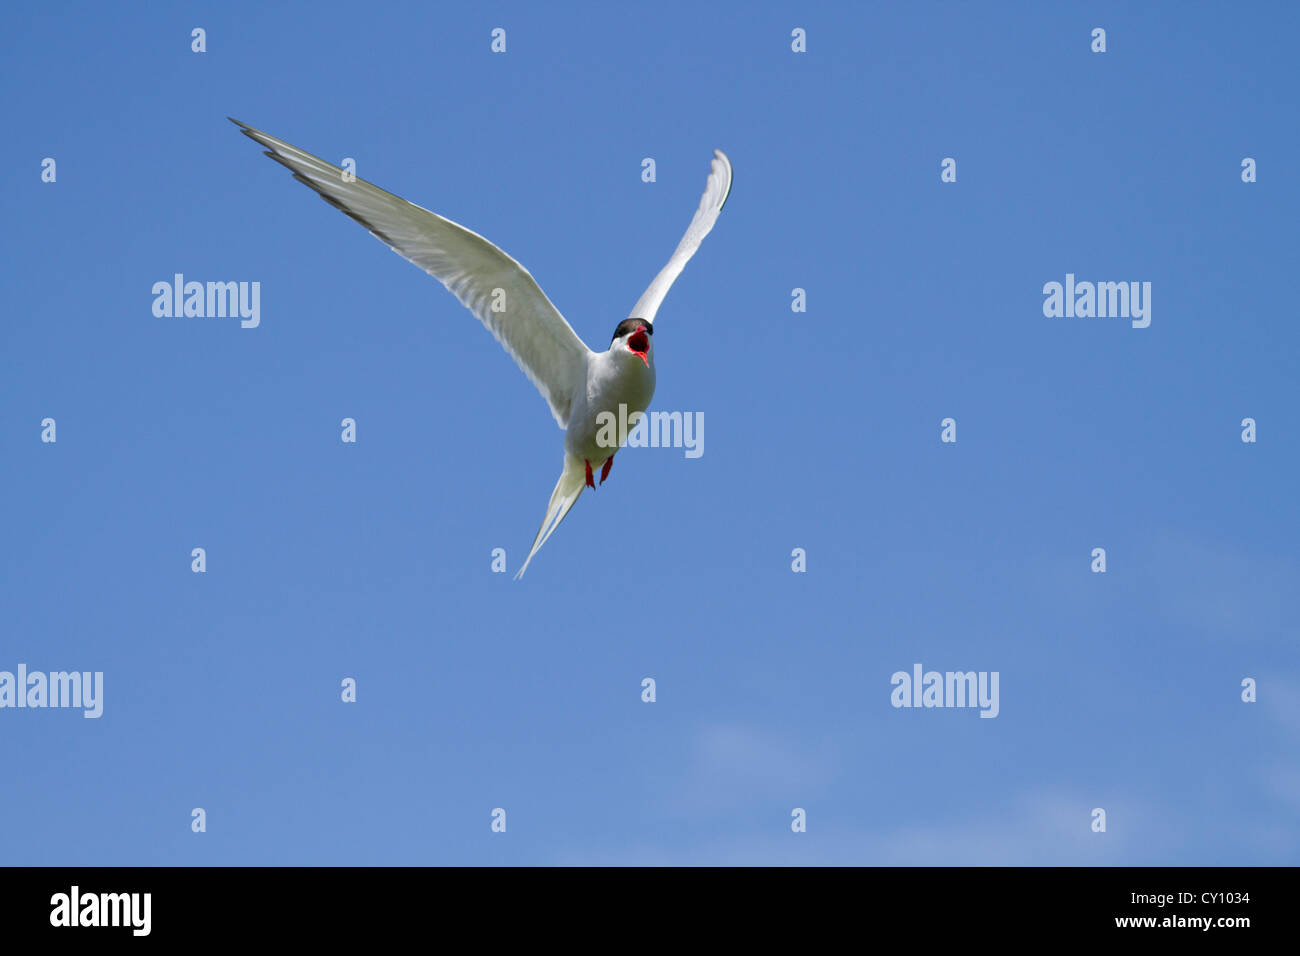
372, 560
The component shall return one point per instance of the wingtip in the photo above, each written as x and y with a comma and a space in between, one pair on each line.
731, 175
250, 131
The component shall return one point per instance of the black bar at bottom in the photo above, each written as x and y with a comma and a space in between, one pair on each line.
370, 905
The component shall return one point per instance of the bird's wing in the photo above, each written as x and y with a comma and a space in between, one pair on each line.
492, 285
715, 194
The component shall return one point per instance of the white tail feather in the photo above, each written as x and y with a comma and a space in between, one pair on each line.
572, 480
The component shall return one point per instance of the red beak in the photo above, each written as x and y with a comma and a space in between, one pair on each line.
639, 343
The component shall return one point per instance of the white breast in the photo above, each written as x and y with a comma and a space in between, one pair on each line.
613, 380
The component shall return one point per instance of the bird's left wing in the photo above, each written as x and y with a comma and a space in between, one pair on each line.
496, 288
715, 195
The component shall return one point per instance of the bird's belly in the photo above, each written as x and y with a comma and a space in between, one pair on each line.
607, 419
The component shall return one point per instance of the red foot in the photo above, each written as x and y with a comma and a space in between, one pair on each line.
590, 483
604, 471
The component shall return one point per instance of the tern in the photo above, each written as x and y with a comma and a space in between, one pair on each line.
580, 385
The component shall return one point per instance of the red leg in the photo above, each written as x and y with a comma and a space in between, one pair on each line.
604, 471
590, 483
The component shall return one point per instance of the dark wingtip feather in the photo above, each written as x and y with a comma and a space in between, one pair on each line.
731, 178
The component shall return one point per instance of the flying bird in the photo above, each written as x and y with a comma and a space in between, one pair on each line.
579, 384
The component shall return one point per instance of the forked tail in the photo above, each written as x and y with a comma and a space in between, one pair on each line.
572, 480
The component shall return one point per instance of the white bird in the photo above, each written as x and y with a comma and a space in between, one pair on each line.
576, 382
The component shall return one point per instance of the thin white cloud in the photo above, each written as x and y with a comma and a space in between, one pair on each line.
733, 764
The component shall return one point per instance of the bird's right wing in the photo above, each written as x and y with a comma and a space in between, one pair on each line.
716, 191
496, 288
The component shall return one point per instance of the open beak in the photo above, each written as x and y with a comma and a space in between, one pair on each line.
639, 343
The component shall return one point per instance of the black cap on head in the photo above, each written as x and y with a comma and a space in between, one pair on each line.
628, 326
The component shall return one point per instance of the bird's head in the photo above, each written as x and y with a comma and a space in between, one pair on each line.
636, 337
